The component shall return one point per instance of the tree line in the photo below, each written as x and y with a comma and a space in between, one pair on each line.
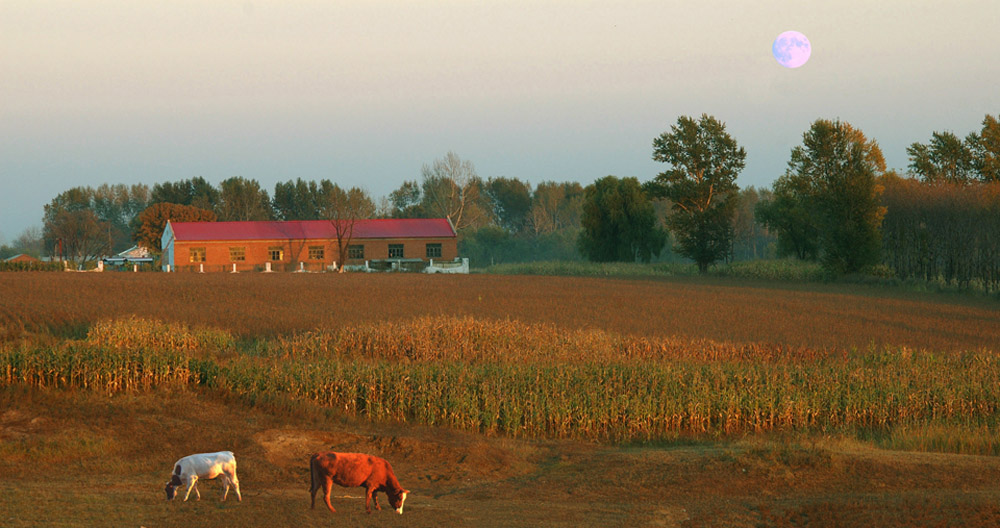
836, 203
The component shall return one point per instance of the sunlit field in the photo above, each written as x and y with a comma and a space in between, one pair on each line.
258, 305
487, 390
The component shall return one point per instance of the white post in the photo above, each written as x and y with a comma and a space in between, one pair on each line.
168, 268
201, 268
335, 265
135, 268
234, 267
302, 267
100, 265
267, 267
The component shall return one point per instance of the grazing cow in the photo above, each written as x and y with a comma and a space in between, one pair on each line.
189, 469
355, 469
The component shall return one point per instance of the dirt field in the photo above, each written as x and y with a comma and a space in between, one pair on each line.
52, 474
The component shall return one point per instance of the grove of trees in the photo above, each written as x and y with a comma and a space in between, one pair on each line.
835, 203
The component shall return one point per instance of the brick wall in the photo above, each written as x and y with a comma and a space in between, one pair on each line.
217, 256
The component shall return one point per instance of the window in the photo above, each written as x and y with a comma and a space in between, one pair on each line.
356, 251
197, 255
316, 253
275, 253
433, 250
395, 250
237, 254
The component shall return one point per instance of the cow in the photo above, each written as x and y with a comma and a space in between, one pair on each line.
189, 469
355, 469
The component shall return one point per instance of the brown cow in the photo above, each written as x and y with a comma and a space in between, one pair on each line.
355, 469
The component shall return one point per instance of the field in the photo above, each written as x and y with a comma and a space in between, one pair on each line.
500, 400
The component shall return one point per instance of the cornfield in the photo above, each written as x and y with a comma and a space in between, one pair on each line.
536, 380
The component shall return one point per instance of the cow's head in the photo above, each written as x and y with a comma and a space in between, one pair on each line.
397, 500
171, 488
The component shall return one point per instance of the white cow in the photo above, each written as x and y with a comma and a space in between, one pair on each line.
189, 469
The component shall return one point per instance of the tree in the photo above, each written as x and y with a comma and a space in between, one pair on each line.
29, 242
452, 189
555, 207
788, 214
407, 201
343, 209
701, 182
196, 191
947, 158
153, 221
985, 147
510, 201
837, 168
113, 205
78, 234
750, 235
242, 200
300, 200
618, 222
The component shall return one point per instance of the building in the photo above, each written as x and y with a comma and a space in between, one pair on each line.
22, 257
309, 245
135, 255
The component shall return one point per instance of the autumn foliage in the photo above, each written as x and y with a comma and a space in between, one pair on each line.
154, 219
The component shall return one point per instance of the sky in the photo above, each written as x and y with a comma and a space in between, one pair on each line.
366, 92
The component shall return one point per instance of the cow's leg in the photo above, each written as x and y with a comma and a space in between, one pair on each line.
327, 487
225, 487
192, 483
375, 500
368, 499
236, 486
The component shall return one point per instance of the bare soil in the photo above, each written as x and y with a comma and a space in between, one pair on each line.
80, 459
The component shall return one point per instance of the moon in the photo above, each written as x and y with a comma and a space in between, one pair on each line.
791, 49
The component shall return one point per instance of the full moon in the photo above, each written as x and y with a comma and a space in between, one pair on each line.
791, 49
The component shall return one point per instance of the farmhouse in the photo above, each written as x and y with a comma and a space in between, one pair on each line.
309, 245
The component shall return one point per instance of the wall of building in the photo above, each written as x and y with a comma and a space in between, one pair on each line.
295, 253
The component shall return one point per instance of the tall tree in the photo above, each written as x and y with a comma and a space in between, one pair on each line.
300, 200
947, 158
985, 147
407, 201
243, 200
510, 199
78, 235
554, 207
343, 209
838, 169
618, 222
195, 191
115, 205
152, 221
452, 189
701, 182
789, 214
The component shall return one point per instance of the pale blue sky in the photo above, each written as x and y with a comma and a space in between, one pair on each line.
366, 92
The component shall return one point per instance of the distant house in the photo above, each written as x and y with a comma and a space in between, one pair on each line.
304, 244
21, 257
132, 255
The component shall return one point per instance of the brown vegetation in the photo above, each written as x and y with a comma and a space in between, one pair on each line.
252, 305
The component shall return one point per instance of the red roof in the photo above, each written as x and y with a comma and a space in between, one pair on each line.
312, 229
